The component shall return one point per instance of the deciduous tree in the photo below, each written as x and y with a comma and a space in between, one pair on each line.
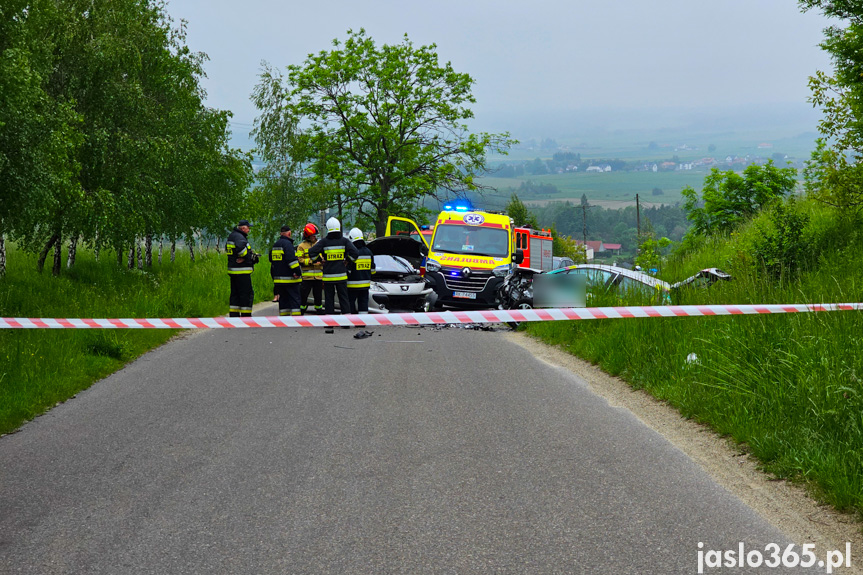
381, 125
728, 198
834, 174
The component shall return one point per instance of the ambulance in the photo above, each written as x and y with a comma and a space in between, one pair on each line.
469, 254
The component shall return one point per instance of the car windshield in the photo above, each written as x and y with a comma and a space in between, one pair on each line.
393, 264
594, 277
473, 240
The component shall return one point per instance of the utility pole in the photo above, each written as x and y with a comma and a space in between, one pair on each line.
584, 224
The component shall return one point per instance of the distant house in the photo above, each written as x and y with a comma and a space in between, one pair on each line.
606, 169
593, 169
687, 166
613, 248
655, 168
595, 245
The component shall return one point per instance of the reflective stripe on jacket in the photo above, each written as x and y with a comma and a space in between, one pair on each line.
284, 263
360, 272
311, 271
237, 247
336, 251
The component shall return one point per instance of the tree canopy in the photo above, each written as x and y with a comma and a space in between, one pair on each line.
834, 174
728, 198
521, 216
377, 127
103, 131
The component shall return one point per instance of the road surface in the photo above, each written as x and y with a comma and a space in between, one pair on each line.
417, 450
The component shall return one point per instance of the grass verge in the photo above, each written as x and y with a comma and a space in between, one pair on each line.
39, 368
787, 386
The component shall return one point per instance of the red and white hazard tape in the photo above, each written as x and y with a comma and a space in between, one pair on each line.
432, 318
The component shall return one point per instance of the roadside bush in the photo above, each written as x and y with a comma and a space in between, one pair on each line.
782, 247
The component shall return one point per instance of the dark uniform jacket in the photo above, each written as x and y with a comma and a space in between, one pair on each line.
284, 263
336, 250
360, 272
238, 247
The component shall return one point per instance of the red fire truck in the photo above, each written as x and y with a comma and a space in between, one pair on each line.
536, 246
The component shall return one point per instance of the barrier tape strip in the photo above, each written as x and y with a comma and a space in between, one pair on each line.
430, 318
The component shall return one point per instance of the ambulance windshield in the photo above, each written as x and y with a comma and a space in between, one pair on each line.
471, 240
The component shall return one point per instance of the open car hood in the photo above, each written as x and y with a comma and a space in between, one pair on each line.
403, 246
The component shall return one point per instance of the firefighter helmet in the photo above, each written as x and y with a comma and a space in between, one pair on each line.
333, 225
355, 234
310, 230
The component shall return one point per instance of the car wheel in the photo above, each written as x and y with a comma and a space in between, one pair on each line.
520, 304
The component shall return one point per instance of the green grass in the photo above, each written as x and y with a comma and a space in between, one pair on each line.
787, 386
39, 368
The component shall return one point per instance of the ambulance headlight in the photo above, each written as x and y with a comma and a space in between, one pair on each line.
501, 271
432, 266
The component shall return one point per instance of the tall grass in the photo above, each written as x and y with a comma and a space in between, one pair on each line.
787, 386
39, 368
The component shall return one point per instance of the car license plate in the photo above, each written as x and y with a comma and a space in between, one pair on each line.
464, 294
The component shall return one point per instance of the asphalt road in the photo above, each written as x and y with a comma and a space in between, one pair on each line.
291, 451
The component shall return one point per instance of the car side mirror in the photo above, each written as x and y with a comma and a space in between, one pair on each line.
518, 256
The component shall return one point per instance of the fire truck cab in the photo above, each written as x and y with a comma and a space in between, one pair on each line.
536, 246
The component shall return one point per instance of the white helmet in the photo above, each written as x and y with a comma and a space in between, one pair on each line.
333, 225
355, 234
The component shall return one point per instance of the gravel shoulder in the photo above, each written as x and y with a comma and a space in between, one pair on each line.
785, 505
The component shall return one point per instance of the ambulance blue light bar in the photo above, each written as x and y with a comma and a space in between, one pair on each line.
459, 206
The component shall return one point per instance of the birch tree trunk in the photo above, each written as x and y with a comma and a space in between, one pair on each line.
73, 253
160, 250
2, 256
43, 255
140, 252
58, 256
148, 250
191, 242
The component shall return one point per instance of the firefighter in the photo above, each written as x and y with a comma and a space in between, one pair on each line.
336, 250
286, 273
360, 274
241, 262
312, 271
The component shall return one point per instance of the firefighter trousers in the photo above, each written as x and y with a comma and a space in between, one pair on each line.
289, 298
242, 295
314, 287
331, 289
359, 299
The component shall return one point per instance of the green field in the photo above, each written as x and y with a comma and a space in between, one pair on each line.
606, 187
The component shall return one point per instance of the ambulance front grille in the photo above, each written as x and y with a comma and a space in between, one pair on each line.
475, 282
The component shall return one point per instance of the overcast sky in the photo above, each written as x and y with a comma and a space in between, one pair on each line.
536, 55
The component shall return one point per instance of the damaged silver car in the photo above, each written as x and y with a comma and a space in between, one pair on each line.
397, 284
